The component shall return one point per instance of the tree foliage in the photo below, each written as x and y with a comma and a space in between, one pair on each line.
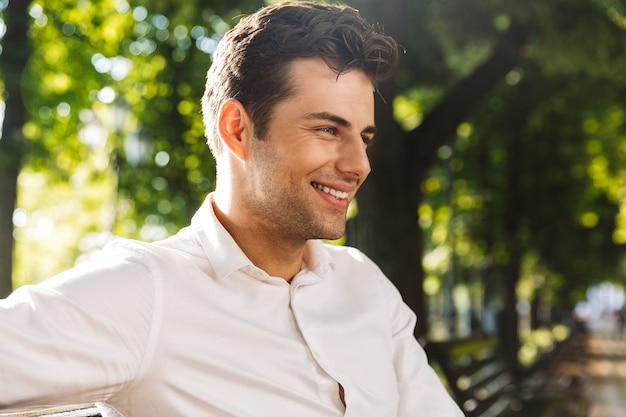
112, 92
495, 105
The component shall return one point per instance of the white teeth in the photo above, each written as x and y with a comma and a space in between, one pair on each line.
331, 191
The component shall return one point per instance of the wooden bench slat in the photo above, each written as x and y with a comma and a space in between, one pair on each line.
475, 371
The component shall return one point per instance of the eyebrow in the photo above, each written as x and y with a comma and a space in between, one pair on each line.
338, 120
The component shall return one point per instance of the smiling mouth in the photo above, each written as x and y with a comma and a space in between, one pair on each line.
342, 195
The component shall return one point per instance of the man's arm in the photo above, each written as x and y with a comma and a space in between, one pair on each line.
76, 338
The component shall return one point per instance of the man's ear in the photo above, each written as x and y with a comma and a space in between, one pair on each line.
235, 127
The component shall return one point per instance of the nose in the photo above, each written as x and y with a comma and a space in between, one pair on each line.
353, 160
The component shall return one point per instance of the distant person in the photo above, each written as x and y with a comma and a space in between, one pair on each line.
621, 321
245, 312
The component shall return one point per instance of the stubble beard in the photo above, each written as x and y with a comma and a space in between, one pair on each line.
287, 210
296, 219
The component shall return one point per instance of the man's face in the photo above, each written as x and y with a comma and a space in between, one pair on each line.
304, 173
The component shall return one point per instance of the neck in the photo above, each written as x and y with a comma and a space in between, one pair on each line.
277, 257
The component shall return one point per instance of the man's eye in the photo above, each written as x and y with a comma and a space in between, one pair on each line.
329, 130
367, 139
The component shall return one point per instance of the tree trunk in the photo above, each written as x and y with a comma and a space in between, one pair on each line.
14, 58
387, 226
440, 124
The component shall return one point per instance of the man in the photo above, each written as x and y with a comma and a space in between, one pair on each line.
245, 312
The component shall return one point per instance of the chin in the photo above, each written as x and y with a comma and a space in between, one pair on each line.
331, 230
334, 235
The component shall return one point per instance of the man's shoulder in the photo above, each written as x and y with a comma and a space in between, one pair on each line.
124, 252
121, 249
347, 252
179, 244
351, 258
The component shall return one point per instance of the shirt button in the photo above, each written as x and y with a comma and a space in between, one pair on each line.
316, 355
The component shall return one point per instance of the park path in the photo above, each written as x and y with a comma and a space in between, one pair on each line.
606, 369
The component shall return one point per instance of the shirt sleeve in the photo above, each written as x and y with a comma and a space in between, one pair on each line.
77, 337
421, 392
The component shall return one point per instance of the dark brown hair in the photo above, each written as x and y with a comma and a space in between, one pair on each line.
251, 61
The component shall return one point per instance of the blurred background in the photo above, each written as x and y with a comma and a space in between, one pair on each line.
497, 201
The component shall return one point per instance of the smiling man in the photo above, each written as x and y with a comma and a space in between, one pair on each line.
246, 312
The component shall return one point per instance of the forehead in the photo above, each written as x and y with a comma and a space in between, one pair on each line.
316, 87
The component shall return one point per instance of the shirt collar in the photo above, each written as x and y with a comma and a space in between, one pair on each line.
227, 257
219, 246
317, 258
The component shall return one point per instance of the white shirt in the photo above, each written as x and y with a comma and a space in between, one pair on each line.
190, 327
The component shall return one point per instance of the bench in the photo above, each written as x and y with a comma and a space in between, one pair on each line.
475, 372
75, 410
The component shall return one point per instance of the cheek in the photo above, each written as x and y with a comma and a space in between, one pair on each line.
315, 154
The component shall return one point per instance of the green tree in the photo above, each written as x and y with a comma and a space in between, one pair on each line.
113, 127
389, 201
517, 75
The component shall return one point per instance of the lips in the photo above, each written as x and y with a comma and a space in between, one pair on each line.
342, 195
